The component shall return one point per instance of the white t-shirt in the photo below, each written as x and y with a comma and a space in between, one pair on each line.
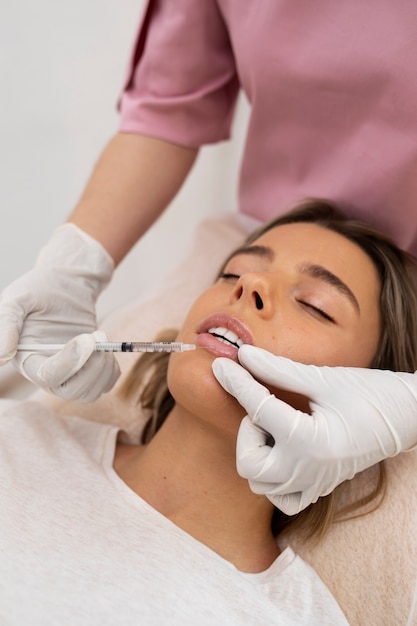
79, 547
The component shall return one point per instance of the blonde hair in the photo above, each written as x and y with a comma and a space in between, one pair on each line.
397, 351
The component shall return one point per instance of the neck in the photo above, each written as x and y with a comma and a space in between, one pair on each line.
188, 473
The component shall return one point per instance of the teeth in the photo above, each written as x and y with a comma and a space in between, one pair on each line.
226, 336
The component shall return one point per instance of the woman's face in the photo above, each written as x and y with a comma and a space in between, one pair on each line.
300, 291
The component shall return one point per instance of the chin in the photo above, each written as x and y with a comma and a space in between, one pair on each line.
194, 387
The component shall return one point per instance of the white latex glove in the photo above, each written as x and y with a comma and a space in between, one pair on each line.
53, 303
358, 417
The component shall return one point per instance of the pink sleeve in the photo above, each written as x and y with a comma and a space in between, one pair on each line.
182, 83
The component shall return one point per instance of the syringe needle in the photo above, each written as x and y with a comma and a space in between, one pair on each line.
111, 346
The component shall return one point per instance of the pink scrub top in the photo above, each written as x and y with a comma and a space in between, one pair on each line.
333, 92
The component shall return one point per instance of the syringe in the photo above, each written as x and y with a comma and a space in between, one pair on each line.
110, 346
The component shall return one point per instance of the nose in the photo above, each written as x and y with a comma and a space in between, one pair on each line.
255, 290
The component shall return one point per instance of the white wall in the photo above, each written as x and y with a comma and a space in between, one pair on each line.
62, 65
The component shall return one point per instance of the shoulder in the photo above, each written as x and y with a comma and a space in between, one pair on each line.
374, 542
32, 424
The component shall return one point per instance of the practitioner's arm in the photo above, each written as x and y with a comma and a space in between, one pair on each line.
134, 180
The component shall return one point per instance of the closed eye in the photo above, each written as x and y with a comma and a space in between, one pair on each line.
229, 276
318, 311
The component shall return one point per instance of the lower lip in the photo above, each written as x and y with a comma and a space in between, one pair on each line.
219, 348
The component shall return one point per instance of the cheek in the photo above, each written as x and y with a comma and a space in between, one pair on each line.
185, 370
348, 349
369, 342
300, 344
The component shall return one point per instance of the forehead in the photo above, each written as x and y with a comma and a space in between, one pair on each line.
302, 239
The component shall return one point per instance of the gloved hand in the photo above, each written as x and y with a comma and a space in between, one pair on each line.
358, 417
53, 303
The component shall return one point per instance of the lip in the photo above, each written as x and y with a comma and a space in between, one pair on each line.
213, 345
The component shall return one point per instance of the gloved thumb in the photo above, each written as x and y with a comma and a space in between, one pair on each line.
261, 406
281, 372
240, 384
64, 364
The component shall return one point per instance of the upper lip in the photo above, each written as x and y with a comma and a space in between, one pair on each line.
227, 321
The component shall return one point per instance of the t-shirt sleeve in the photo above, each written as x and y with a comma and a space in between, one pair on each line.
182, 83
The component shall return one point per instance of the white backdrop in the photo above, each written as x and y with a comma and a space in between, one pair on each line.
62, 67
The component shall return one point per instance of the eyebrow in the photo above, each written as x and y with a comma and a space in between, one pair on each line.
320, 272
311, 269
265, 252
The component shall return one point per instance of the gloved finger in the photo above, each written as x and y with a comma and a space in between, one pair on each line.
280, 371
96, 377
78, 371
272, 469
267, 485
251, 449
57, 369
289, 503
8, 344
240, 384
105, 384
296, 501
10, 327
258, 460
273, 415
